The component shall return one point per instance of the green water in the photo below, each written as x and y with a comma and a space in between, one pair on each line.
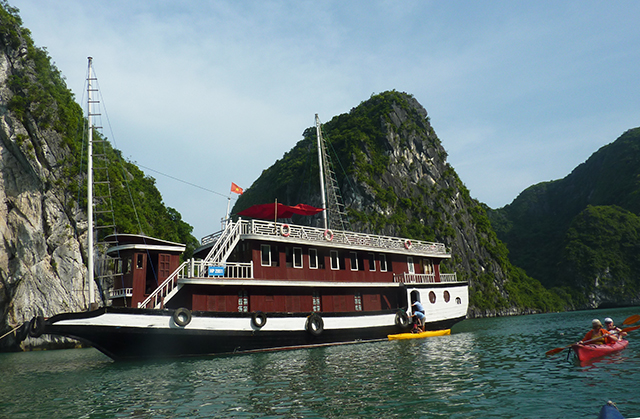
488, 368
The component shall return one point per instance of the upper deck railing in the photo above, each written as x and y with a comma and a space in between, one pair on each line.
313, 235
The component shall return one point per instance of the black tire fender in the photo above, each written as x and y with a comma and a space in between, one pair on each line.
182, 316
36, 327
402, 319
258, 319
314, 324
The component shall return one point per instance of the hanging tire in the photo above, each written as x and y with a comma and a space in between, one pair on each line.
315, 324
182, 317
36, 327
23, 332
402, 319
258, 319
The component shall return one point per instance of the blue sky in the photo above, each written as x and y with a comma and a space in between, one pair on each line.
214, 92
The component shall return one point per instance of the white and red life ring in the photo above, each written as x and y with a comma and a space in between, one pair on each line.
407, 244
285, 230
328, 235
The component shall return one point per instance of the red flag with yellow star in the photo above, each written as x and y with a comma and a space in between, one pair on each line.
236, 189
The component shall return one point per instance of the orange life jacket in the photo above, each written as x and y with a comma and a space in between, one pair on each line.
599, 336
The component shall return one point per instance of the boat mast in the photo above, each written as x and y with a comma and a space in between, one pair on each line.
320, 163
90, 190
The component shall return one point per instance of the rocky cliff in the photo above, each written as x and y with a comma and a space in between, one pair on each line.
581, 233
42, 267
395, 180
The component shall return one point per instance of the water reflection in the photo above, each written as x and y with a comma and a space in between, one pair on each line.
486, 368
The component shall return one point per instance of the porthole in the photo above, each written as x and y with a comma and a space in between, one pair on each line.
458, 300
447, 296
432, 297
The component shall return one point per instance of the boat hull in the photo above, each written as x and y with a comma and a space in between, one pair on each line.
127, 334
588, 352
422, 335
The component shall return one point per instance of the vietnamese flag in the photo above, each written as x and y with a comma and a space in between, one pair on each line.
236, 189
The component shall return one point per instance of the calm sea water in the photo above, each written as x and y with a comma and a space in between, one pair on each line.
487, 368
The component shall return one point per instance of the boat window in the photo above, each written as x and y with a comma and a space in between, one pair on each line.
316, 301
128, 266
372, 262
354, 260
139, 261
358, 301
447, 296
383, 262
335, 261
266, 255
313, 259
410, 267
297, 257
432, 297
428, 266
243, 301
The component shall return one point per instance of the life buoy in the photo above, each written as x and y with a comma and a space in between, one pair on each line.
315, 324
402, 319
407, 244
36, 327
258, 319
328, 235
285, 230
182, 317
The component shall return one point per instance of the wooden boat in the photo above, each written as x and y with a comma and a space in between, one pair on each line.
587, 352
260, 285
421, 335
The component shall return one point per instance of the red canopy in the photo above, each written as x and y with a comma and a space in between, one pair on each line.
267, 211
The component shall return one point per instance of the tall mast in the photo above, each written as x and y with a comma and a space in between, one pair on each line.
90, 190
320, 163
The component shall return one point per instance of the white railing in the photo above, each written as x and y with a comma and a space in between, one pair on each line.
120, 293
156, 298
314, 235
225, 243
233, 270
407, 278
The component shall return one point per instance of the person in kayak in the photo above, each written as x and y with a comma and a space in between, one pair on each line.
418, 315
612, 328
598, 335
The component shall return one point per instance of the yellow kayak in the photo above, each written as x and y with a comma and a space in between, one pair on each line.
426, 334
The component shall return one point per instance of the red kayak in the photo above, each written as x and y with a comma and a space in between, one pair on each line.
587, 352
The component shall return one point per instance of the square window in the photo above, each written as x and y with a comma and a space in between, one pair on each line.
383, 262
266, 255
354, 260
410, 267
335, 261
297, 257
313, 259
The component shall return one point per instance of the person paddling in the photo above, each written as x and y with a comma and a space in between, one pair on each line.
612, 328
598, 335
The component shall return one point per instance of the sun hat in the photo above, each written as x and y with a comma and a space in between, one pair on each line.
596, 322
608, 320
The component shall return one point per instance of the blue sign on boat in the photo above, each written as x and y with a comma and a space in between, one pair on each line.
216, 270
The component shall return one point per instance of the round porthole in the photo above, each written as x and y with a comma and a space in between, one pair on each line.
447, 296
458, 300
432, 297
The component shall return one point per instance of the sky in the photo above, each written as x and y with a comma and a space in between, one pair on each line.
204, 93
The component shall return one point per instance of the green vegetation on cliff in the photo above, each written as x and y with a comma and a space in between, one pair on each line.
393, 173
46, 107
581, 231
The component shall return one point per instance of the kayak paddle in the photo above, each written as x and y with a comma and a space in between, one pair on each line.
631, 319
558, 350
